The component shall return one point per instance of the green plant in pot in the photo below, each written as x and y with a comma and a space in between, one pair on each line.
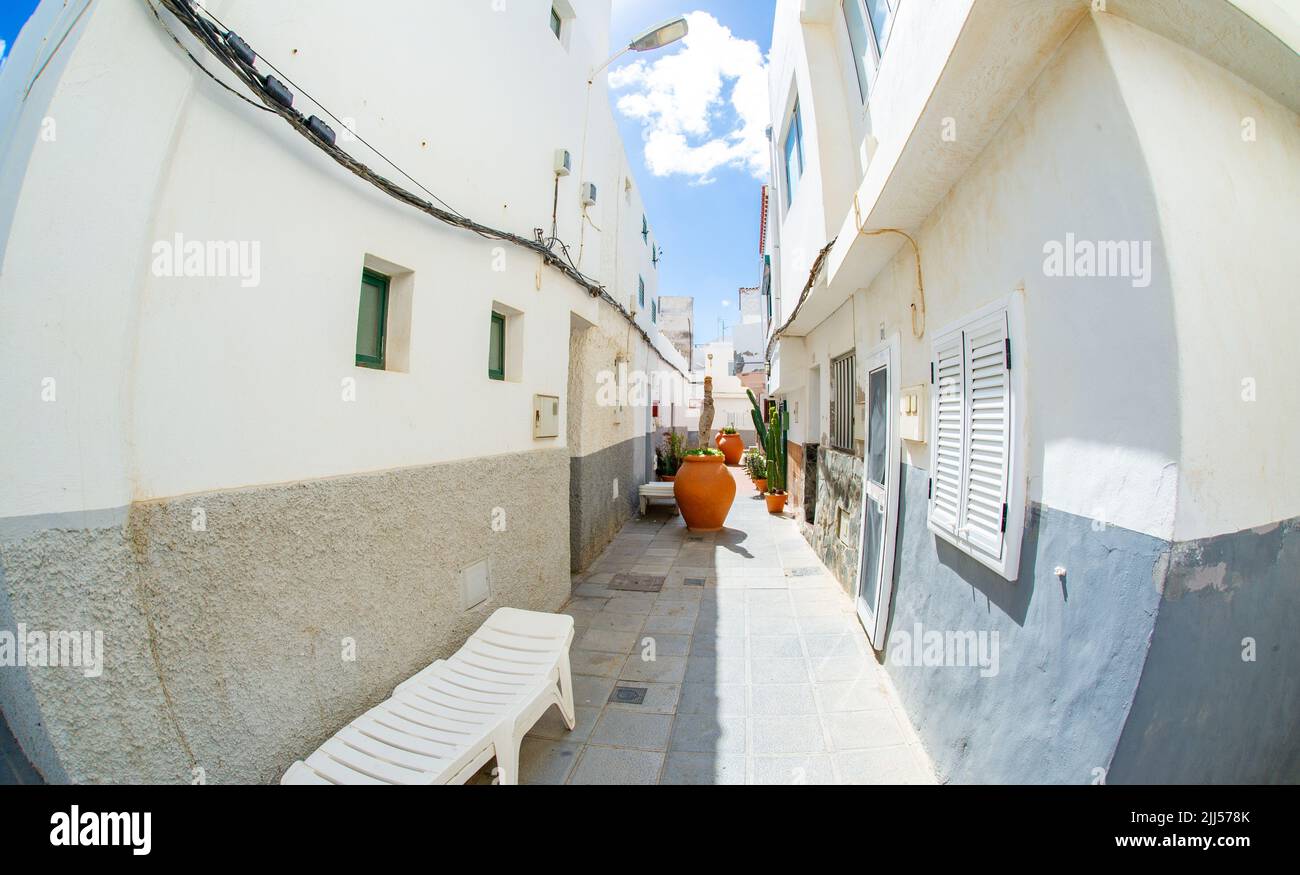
756, 467
668, 458
731, 444
776, 463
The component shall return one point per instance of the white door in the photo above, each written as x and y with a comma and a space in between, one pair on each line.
880, 493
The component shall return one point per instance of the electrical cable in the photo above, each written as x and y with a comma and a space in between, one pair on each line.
206, 33
298, 88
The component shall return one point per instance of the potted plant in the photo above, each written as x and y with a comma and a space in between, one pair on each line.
731, 444
776, 462
704, 490
668, 458
756, 466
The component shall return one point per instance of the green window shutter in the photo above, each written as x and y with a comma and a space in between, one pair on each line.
372, 320
557, 23
640, 292
497, 348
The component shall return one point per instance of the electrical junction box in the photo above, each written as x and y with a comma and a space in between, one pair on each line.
546, 417
475, 587
563, 162
912, 404
589, 194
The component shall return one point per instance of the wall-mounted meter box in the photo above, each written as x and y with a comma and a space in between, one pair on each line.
546, 417
913, 402
563, 162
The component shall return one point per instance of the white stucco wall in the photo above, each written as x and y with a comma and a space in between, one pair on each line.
1135, 394
168, 386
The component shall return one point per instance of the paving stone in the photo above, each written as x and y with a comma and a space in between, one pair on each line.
608, 641
798, 771
773, 626
632, 582
610, 766
668, 625
857, 730
620, 727
714, 645
616, 622
842, 668
705, 733
666, 645
824, 646
720, 700
546, 762
775, 647
782, 700
551, 726
778, 671
591, 692
631, 603
664, 669
659, 698
771, 735
592, 662
703, 769
884, 765
860, 695
715, 670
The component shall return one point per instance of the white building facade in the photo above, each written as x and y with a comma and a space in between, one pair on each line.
286, 439
1032, 284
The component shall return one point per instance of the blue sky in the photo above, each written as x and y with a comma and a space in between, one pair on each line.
709, 232
13, 13
706, 218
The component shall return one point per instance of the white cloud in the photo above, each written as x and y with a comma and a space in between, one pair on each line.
681, 98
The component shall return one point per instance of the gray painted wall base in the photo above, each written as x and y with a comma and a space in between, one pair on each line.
1219, 700
226, 649
1129, 669
595, 513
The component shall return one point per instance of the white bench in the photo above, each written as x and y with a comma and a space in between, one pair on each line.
443, 725
657, 492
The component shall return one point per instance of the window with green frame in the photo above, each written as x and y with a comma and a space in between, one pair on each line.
640, 292
372, 320
557, 23
654, 312
645, 230
497, 348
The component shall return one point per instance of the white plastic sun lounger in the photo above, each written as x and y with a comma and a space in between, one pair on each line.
443, 725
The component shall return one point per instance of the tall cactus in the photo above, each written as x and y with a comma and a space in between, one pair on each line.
757, 413
776, 452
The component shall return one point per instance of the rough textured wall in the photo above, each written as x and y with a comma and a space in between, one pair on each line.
608, 441
1070, 651
1219, 700
224, 648
596, 513
837, 529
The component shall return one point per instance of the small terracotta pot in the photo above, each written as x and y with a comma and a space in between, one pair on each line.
704, 490
761, 486
732, 446
667, 478
775, 502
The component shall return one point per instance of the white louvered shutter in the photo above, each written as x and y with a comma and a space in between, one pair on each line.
949, 451
988, 406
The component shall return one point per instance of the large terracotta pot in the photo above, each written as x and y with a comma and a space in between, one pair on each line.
732, 446
704, 490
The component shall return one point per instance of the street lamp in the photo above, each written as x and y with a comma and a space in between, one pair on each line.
655, 38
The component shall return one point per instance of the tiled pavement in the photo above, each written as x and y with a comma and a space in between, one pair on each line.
761, 673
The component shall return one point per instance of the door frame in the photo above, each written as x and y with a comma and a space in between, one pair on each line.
887, 354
